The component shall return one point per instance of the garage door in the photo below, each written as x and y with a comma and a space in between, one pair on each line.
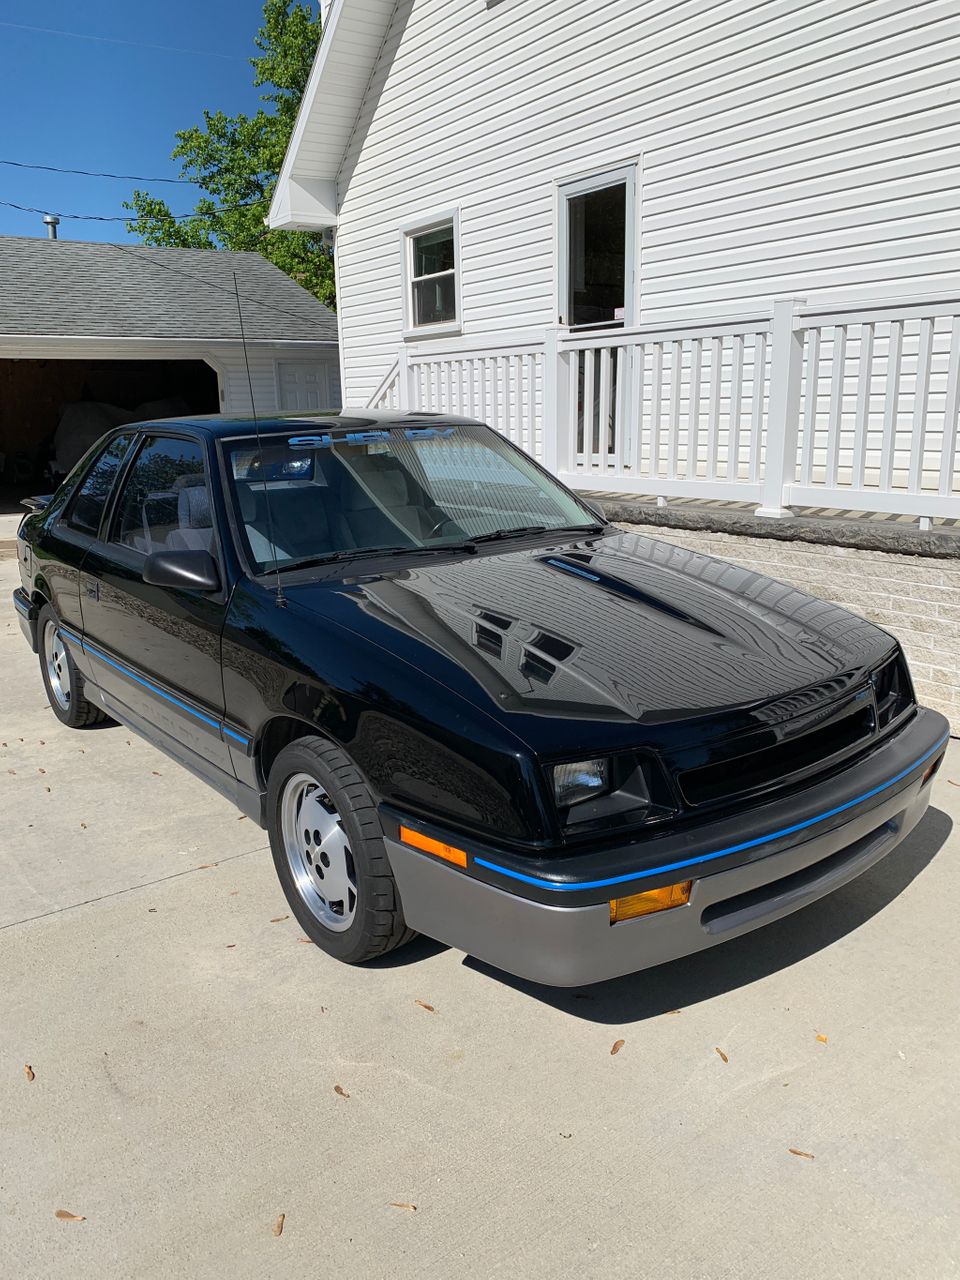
309, 384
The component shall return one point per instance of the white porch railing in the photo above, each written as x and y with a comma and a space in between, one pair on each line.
854, 408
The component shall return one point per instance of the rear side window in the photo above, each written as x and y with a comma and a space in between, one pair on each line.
86, 509
165, 503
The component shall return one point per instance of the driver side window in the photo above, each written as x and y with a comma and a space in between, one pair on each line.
165, 501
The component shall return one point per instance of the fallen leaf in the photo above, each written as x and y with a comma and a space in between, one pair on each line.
46, 788
338, 1088
310, 940
151, 911
242, 818
617, 1046
723, 1056
952, 781
423, 1005
400, 1204
205, 866
66, 1216
42, 743
156, 773
278, 1225
41, 771
277, 919
13, 771
805, 1155
233, 893
821, 1039
29, 1072
231, 945
129, 743
83, 825
670, 1011
566, 1135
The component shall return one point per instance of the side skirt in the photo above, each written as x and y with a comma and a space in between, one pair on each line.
247, 799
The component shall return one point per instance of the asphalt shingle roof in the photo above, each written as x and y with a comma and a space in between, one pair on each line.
81, 289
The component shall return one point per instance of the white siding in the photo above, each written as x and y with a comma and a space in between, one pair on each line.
263, 374
787, 147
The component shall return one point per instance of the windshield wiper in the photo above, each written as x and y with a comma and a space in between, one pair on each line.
334, 557
468, 545
523, 530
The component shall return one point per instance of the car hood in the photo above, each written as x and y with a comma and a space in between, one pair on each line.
614, 640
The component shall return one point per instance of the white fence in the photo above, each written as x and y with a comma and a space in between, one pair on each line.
851, 408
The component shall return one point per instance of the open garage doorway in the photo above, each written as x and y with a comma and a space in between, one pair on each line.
51, 411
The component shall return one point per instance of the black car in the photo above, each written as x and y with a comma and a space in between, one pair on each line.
461, 702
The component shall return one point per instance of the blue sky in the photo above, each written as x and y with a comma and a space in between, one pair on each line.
92, 104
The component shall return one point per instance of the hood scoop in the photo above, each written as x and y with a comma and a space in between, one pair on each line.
568, 564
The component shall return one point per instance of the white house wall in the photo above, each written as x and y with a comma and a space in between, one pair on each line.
787, 148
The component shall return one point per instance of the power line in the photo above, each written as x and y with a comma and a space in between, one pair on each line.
92, 173
132, 217
136, 44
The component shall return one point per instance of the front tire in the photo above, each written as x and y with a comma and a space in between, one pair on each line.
329, 855
61, 679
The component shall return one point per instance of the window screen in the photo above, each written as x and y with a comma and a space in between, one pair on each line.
434, 276
86, 509
597, 235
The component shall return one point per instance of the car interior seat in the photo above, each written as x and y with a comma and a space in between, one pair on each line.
383, 504
195, 523
297, 516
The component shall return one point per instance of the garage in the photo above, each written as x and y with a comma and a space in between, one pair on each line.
94, 335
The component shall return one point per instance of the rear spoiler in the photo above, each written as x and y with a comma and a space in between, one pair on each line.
38, 503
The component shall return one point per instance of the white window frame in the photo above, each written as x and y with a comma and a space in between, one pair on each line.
408, 232
567, 188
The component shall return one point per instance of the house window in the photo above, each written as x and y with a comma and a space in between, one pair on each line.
431, 260
597, 247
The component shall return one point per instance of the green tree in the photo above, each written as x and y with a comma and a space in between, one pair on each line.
235, 160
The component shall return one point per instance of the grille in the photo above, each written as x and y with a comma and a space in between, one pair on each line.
787, 760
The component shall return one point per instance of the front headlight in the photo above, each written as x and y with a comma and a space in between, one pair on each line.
581, 780
612, 791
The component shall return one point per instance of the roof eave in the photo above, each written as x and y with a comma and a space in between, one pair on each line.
305, 198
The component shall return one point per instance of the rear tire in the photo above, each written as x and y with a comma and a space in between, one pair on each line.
329, 854
61, 679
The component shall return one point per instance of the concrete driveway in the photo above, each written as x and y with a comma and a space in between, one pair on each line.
187, 1047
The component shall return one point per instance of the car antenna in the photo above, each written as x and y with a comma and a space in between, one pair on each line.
281, 599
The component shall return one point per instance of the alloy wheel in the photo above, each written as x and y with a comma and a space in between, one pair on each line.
58, 670
318, 852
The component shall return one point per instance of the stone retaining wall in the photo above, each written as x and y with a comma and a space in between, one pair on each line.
916, 598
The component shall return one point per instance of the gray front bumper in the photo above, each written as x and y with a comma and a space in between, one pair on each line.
572, 946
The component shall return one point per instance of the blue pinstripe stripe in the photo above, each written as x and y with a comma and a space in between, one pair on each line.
720, 853
21, 607
161, 693
569, 568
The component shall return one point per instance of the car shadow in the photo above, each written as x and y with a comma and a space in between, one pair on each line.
737, 963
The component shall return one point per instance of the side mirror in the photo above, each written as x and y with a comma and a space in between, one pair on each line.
185, 570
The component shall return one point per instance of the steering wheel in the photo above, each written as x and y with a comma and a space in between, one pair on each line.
444, 520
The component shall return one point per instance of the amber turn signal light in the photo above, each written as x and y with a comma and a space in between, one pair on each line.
440, 850
644, 904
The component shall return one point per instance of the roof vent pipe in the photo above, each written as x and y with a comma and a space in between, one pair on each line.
51, 222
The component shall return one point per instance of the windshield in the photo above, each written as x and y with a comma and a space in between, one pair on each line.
308, 497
